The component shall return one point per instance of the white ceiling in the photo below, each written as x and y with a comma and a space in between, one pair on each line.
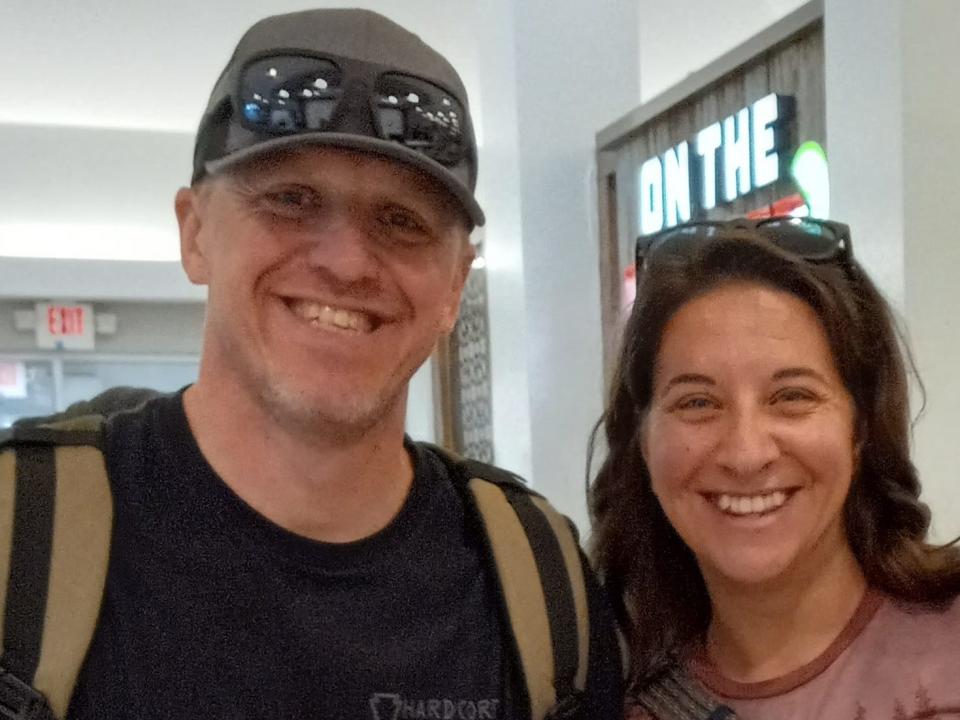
150, 64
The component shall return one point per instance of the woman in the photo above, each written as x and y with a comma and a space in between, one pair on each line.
757, 519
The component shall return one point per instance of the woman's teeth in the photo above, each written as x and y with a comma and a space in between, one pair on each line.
750, 504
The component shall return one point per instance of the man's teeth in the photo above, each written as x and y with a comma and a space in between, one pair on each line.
750, 504
318, 314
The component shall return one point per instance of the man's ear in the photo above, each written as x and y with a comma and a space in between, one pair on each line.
189, 208
452, 308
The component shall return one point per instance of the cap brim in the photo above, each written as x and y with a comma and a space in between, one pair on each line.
392, 150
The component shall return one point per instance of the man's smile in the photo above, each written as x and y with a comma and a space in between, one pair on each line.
330, 316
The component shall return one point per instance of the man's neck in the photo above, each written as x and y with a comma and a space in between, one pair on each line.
763, 633
326, 486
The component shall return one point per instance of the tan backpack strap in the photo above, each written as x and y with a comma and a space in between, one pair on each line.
541, 578
570, 547
56, 516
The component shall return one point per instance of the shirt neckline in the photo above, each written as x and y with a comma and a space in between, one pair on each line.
709, 675
286, 544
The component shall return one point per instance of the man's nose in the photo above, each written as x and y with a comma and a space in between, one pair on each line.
749, 444
343, 247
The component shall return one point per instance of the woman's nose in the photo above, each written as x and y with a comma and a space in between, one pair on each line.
748, 445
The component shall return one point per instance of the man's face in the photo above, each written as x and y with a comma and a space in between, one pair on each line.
331, 275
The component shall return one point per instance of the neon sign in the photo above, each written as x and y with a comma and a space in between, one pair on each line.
722, 162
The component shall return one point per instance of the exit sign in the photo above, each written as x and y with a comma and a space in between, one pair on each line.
65, 326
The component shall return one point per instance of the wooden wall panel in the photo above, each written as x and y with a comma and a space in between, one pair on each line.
793, 67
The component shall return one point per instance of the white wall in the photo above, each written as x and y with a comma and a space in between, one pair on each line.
575, 73
864, 79
142, 329
420, 422
892, 128
502, 238
930, 185
678, 38
93, 192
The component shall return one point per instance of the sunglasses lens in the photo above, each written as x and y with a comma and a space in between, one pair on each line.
803, 237
288, 94
422, 116
678, 238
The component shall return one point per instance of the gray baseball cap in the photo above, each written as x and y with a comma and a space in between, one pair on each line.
384, 91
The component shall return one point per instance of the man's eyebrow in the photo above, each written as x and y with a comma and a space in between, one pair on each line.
798, 372
689, 379
243, 185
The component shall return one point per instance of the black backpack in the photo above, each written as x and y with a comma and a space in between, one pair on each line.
56, 514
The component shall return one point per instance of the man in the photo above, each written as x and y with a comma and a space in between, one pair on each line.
280, 550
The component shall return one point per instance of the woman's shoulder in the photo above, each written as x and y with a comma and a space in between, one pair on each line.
918, 623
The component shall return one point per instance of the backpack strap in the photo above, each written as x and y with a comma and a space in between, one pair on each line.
541, 576
56, 516
674, 695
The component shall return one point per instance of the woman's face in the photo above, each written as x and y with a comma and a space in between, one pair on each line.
749, 438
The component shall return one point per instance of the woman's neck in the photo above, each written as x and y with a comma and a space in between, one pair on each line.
763, 632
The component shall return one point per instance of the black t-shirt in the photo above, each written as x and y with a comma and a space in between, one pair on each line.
211, 611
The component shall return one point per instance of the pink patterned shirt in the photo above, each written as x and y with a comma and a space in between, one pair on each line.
893, 661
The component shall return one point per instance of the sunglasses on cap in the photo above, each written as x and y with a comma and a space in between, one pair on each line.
809, 238
288, 94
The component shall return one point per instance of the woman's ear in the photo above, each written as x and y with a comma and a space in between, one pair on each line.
642, 434
859, 441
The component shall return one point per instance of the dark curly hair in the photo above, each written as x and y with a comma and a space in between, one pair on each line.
653, 578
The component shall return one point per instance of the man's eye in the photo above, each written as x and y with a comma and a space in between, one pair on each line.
289, 197
401, 220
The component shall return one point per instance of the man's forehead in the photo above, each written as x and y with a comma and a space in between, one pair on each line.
315, 164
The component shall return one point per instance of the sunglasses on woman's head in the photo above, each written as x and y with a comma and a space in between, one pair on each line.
809, 238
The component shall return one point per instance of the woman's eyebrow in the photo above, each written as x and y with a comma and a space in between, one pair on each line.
797, 372
689, 379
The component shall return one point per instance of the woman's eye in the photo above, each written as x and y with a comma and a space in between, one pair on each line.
794, 399
695, 403
793, 394
695, 406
